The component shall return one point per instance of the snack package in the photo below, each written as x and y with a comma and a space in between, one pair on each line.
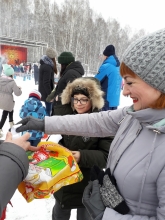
50, 168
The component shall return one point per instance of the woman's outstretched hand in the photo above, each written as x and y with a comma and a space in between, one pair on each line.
31, 123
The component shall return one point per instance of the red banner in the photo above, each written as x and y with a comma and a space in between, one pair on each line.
14, 54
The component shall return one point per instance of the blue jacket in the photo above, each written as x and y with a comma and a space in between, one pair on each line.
17, 69
110, 80
33, 107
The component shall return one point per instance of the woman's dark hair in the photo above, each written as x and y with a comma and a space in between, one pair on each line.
159, 103
63, 67
55, 66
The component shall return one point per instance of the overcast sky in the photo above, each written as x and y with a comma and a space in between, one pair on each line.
146, 14
138, 14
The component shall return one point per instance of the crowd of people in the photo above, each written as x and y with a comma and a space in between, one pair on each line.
120, 151
26, 70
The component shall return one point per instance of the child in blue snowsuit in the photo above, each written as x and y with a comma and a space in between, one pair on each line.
33, 107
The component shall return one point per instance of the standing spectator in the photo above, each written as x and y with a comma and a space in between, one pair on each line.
21, 69
33, 107
7, 87
30, 68
3, 60
110, 78
36, 72
16, 69
0, 66
70, 70
25, 68
81, 96
46, 77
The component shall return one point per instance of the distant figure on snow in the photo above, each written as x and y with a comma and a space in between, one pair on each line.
7, 87
110, 78
36, 72
46, 76
70, 70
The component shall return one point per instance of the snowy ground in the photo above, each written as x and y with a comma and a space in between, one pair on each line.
37, 209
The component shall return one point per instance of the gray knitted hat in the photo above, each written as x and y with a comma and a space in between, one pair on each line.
50, 52
146, 58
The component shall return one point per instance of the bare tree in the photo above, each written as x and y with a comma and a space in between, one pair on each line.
72, 27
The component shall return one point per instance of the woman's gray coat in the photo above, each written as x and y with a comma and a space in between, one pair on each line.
136, 157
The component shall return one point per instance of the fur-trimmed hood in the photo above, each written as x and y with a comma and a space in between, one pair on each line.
93, 88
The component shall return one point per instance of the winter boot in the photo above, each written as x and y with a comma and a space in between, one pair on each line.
11, 124
1, 133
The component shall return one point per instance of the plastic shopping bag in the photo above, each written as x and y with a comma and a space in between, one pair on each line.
50, 168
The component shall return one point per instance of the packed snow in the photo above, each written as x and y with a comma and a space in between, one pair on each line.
37, 209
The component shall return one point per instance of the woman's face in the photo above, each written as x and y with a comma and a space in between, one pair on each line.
140, 92
82, 104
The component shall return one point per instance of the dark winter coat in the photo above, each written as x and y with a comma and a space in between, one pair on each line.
73, 70
13, 169
36, 72
46, 80
94, 151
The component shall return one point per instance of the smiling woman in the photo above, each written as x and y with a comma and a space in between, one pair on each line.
143, 95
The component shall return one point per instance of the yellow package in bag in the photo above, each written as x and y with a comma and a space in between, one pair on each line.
50, 168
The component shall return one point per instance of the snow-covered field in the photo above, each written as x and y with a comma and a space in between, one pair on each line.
37, 209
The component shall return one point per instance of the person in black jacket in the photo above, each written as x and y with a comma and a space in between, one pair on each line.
70, 70
46, 77
83, 95
36, 72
